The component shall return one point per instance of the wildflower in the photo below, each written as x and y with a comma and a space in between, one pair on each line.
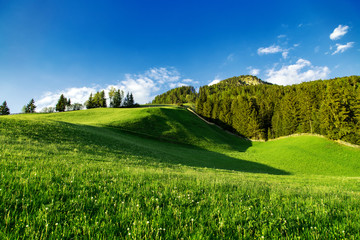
56, 224
27, 225
147, 222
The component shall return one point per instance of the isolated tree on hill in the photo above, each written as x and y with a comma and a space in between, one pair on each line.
30, 108
62, 103
4, 110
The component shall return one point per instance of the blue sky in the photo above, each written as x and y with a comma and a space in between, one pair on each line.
147, 47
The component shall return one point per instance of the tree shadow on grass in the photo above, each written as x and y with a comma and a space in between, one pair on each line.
94, 142
174, 153
182, 127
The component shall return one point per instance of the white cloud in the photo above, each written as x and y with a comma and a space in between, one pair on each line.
163, 75
342, 48
301, 71
316, 49
285, 54
269, 50
253, 71
76, 95
281, 36
339, 32
275, 49
178, 84
187, 80
230, 57
143, 86
215, 81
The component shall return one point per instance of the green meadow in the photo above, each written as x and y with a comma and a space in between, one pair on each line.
162, 173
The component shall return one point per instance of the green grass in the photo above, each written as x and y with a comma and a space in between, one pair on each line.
162, 173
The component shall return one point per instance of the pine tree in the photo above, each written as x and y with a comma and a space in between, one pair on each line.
30, 108
61, 104
102, 99
4, 109
90, 102
131, 100
117, 99
112, 93
126, 100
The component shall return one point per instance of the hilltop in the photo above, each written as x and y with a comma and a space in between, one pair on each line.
243, 80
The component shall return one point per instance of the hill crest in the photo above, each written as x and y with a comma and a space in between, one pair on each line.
241, 80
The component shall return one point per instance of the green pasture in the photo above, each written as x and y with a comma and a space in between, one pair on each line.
162, 173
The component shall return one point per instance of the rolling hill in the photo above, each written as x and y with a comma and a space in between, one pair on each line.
163, 173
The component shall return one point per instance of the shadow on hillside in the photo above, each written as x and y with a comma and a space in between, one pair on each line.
97, 141
182, 127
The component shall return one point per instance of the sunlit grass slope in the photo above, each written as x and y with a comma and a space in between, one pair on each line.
209, 146
168, 123
161, 173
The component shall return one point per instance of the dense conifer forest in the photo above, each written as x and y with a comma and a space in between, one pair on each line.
184, 94
257, 110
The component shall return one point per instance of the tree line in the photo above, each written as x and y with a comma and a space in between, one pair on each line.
117, 99
180, 95
326, 107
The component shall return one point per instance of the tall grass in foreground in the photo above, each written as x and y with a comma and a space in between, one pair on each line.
66, 181
57, 199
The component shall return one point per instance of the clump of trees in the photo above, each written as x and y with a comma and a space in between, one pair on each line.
327, 107
180, 95
62, 103
96, 101
116, 96
30, 107
4, 109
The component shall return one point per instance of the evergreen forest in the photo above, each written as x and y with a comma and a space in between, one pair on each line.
184, 94
261, 111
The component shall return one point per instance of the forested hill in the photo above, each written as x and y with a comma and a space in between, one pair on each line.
184, 94
241, 80
327, 107
187, 94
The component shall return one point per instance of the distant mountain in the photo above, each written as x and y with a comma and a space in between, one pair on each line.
187, 94
241, 80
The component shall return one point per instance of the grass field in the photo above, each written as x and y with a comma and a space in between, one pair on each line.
163, 173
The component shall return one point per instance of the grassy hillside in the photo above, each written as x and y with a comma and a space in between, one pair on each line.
163, 173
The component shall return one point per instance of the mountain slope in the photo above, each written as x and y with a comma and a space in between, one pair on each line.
241, 80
